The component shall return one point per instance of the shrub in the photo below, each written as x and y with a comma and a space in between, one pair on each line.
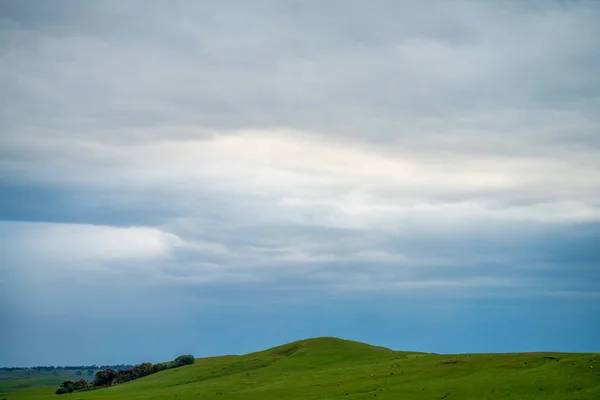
105, 378
109, 377
185, 359
159, 367
124, 376
80, 384
65, 387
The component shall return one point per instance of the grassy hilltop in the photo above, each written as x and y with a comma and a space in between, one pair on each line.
327, 368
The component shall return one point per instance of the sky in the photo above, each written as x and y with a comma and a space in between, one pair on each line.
222, 177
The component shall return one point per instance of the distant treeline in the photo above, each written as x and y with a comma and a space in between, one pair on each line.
68, 368
109, 377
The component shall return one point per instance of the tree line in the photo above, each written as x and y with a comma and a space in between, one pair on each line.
109, 377
93, 367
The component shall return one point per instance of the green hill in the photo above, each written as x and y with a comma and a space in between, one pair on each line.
327, 368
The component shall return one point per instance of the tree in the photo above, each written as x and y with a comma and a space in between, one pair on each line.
159, 367
65, 387
80, 384
104, 378
185, 359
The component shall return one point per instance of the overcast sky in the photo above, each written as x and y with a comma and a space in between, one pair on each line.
221, 177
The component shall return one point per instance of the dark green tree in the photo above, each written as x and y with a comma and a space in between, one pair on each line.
185, 359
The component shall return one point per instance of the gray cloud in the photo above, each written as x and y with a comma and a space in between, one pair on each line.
344, 68
337, 145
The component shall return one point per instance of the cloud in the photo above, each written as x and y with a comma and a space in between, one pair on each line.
72, 242
353, 146
308, 178
382, 73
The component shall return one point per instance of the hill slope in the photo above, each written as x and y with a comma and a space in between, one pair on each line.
327, 368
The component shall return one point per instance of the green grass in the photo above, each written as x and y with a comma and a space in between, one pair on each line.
11, 381
328, 368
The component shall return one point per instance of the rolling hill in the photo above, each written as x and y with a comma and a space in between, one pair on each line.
328, 368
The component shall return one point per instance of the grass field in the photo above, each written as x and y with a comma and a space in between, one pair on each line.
11, 381
327, 368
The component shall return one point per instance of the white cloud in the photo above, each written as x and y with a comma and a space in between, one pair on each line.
73, 243
340, 183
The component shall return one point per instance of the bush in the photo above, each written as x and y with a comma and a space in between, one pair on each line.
109, 376
185, 359
104, 378
65, 387
159, 367
80, 384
